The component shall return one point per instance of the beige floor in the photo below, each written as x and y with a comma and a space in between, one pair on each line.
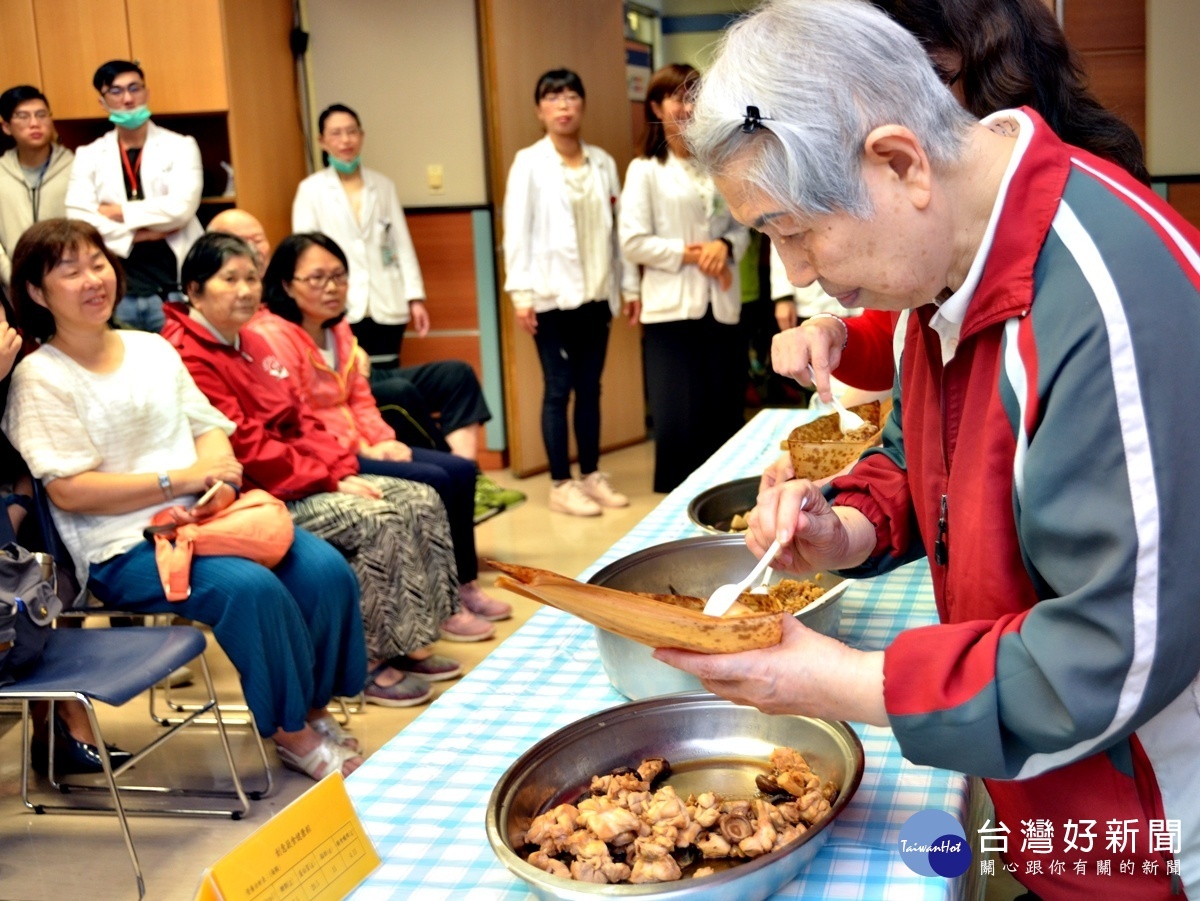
70, 857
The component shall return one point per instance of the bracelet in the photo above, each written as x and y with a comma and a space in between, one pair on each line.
841, 321
164, 482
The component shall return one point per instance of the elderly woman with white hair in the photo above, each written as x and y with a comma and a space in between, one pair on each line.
1034, 459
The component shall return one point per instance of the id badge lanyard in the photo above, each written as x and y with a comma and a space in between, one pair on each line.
387, 246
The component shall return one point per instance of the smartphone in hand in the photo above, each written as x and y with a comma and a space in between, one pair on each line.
208, 495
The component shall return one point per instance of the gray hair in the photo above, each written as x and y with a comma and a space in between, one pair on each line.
823, 74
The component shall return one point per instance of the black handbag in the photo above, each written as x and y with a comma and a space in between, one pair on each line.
29, 603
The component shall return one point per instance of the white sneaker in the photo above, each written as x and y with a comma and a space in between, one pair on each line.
597, 487
569, 497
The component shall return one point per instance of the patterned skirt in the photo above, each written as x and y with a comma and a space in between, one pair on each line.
400, 549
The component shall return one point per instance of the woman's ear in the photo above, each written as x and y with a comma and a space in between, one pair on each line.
36, 294
656, 108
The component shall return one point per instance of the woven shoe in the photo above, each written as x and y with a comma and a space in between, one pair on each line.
596, 486
434, 668
408, 692
569, 497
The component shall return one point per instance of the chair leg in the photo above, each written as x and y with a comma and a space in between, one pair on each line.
118, 807
216, 709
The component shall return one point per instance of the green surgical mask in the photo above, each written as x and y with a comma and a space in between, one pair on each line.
346, 168
129, 118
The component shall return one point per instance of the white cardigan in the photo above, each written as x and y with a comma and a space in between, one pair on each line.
172, 179
661, 213
541, 248
384, 273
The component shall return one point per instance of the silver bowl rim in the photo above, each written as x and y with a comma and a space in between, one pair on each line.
704, 495
594, 723
600, 576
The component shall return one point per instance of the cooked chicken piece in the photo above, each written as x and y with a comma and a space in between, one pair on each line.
789, 834
609, 822
812, 806
688, 834
702, 871
545, 862
799, 782
593, 863
783, 759
653, 847
664, 869
763, 839
666, 809
789, 813
705, 809
653, 767
713, 844
635, 802
552, 829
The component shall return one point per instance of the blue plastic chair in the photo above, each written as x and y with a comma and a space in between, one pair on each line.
113, 666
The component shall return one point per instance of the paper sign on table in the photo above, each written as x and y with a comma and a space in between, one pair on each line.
315, 849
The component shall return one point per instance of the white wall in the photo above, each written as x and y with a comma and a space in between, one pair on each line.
1172, 101
410, 69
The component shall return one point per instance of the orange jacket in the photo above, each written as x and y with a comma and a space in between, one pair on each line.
341, 398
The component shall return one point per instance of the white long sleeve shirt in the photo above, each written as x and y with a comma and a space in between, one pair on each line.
662, 211
384, 273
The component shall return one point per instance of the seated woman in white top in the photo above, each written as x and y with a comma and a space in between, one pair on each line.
115, 427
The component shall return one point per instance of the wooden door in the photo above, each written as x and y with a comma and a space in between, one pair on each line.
19, 63
181, 49
75, 37
521, 40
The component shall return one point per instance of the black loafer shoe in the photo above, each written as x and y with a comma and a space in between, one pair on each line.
72, 755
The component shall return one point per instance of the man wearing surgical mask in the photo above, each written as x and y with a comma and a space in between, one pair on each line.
140, 186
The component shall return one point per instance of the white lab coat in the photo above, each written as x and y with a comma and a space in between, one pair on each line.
661, 213
172, 180
541, 248
384, 274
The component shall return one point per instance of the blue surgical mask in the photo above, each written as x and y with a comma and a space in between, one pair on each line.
129, 118
346, 168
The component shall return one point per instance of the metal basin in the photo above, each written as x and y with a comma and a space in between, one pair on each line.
692, 566
713, 508
712, 745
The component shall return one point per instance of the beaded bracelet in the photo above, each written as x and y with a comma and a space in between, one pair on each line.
841, 321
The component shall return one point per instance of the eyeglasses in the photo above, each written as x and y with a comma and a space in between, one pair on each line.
318, 280
116, 91
343, 133
27, 116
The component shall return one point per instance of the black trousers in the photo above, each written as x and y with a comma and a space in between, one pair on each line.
572, 345
421, 403
696, 382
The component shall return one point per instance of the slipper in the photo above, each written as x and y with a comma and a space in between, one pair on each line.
332, 729
320, 761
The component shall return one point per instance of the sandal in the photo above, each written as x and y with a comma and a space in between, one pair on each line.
318, 763
332, 729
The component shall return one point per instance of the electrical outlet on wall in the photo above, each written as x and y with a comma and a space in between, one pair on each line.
434, 177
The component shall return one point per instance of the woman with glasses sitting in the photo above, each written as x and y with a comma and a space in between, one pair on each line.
306, 329
393, 532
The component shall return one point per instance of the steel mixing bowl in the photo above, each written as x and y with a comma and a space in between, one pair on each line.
691, 566
712, 745
713, 508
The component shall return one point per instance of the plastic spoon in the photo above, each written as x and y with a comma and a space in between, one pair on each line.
722, 599
847, 421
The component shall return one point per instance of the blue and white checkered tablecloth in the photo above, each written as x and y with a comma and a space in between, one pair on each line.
424, 795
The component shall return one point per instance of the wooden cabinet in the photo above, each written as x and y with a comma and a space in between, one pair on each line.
73, 38
181, 48
219, 70
19, 61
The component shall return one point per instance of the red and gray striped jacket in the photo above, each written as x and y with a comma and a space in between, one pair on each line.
1054, 465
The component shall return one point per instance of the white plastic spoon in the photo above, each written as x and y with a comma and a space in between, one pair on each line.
724, 596
847, 421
